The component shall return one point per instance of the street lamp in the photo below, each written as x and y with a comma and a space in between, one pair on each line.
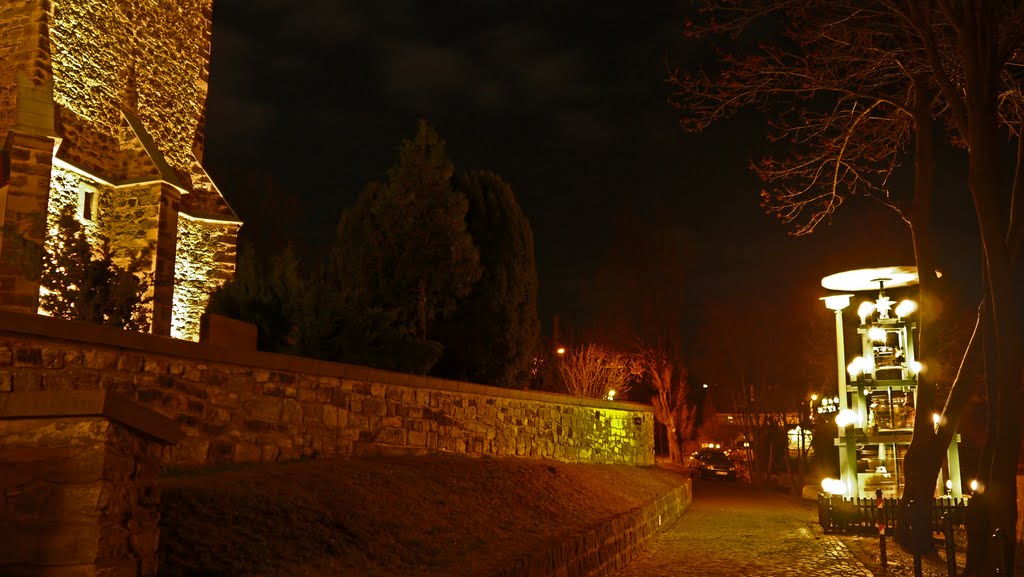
837, 303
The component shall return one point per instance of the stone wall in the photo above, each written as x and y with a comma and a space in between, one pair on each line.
204, 259
148, 57
609, 546
120, 86
1020, 509
22, 23
237, 406
78, 493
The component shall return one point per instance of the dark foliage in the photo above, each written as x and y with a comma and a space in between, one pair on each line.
492, 335
79, 283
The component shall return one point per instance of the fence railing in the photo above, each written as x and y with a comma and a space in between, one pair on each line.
845, 515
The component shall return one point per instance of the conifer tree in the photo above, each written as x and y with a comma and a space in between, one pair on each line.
492, 336
80, 283
404, 245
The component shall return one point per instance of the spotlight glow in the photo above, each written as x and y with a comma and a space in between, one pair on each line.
905, 308
833, 486
847, 417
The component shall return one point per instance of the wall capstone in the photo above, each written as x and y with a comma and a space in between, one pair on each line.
239, 406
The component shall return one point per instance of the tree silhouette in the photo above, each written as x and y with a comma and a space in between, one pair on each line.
491, 337
79, 282
850, 86
404, 245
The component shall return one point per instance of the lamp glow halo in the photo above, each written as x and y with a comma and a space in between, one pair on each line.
864, 279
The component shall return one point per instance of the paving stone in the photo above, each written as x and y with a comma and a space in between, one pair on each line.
734, 530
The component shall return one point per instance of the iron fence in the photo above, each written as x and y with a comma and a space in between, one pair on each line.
845, 515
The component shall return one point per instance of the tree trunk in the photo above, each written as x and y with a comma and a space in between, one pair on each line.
927, 449
1003, 373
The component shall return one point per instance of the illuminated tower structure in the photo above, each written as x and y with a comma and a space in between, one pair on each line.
879, 401
102, 107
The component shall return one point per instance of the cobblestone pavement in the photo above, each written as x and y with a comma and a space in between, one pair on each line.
733, 530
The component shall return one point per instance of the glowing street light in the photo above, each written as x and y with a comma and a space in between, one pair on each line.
865, 309
905, 308
560, 350
847, 417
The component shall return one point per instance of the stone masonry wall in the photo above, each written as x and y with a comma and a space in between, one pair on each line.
607, 547
248, 407
78, 496
149, 57
22, 23
204, 259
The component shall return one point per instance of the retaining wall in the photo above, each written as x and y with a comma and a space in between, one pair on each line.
245, 406
607, 547
78, 485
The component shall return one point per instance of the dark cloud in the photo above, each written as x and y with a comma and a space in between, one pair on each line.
421, 77
566, 100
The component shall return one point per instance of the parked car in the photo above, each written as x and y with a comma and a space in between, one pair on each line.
712, 464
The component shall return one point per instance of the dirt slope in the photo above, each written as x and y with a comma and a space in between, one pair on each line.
441, 515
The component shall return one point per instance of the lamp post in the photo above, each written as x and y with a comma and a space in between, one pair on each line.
837, 303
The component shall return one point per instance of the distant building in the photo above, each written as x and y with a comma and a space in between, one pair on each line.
102, 107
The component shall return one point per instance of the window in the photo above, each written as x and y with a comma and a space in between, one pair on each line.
87, 202
5, 167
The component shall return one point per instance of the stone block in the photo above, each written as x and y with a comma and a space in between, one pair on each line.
226, 332
50, 544
247, 453
266, 408
27, 381
417, 439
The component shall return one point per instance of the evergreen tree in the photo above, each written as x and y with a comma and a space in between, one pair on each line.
334, 325
492, 336
267, 295
404, 245
316, 316
80, 283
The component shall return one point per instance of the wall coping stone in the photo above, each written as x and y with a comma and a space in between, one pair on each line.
84, 332
113, 406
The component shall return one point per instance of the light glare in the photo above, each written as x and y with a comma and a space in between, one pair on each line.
847, 417
865, 309
833, 486
905, 308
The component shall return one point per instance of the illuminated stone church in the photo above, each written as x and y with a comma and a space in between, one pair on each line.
102, 107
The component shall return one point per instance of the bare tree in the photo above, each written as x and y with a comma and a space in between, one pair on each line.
594, 371
851, 86
670, 387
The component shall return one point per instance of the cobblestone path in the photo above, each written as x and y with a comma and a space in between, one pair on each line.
733, 530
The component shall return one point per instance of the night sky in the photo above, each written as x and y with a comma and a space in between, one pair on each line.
566, 100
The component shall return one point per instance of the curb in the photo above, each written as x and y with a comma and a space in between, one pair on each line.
608, 546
